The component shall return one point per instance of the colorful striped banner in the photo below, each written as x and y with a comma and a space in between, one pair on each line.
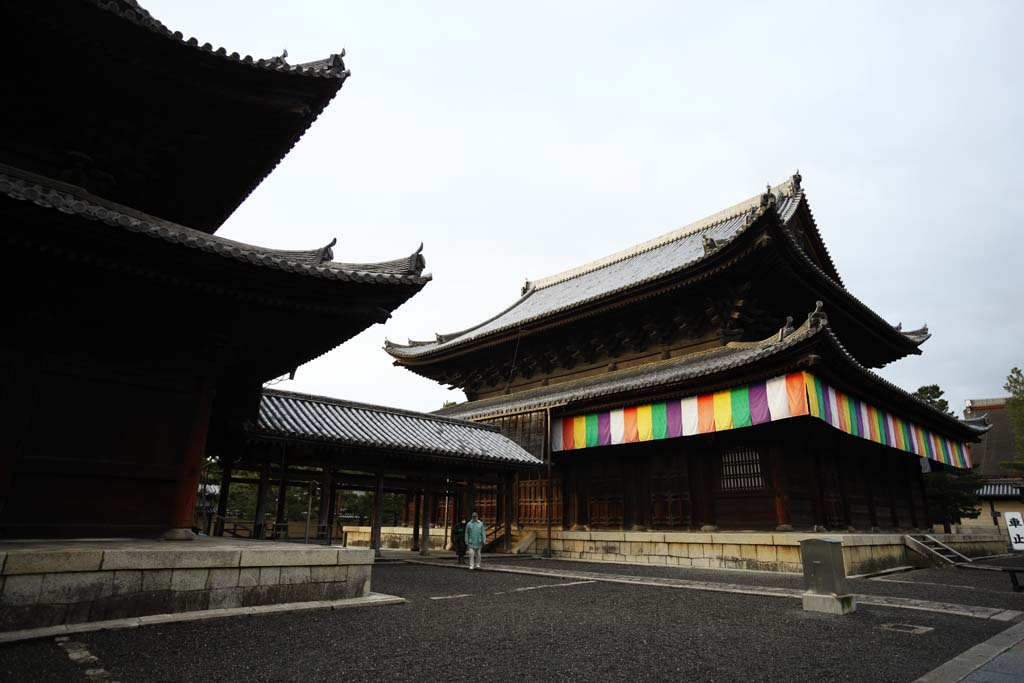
792, 395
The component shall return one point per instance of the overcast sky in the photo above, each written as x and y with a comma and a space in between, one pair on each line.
520, 139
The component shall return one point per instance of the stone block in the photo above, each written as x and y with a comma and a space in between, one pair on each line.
21, 590
288, 557
661, 549
173, 557
679, 549
766, 553
225, 598
644, 536
52, 561
741, 538
76, 587
685, 562
829, 604
700, 562
359, 577
249, 576
787, 553
748, 552
731, 550
711, 549
189, 601
270, 576
127, 581
686, 537
222, 578
156, 580
607, 536
291, 575
189, 579
696, 550
328, 574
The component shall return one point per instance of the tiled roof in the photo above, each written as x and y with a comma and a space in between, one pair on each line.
48, 193
346, 423
1000, 490
666, 373
673, 252
998, 444
130, 10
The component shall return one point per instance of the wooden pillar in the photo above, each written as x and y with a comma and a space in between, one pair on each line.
582, 477
845, 472
927, 523
818, 494
906, 478
326, 488
261, 501
507, 513
378, 514
865, 471
780, 485
222, 498
191, 466
281, 518
417, 498
332, 506
566, 496
703, 461
425, 525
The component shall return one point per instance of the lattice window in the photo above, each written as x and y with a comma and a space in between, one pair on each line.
741, 470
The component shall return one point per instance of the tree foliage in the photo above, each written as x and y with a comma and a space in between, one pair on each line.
932, 395
953, 495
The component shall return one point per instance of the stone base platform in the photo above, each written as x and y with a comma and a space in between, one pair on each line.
49, 583
769, 551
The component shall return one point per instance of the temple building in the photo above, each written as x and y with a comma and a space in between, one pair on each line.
716, 377
1003, 490
135, 339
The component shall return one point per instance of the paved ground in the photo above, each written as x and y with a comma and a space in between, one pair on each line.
527, 628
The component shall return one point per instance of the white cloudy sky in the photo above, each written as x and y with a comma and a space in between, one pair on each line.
521, 139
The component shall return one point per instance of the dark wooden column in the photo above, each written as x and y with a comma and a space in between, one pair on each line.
507, 513
281, 517
191, 466
908, 486
566, 496
378, 513
780, 485
582, 476
702, 489
417, 498
332, 504
927, 523
818, 494
261, 500
222, 498
428, 506
326, 489
866, 474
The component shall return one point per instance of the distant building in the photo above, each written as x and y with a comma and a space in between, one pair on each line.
717, 376
1004, 486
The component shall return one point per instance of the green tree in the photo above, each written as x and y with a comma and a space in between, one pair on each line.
953, 495
1015, 409
932, 395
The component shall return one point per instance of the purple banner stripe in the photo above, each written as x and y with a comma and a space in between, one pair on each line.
758, 397
827, 406
674, 418
604, 429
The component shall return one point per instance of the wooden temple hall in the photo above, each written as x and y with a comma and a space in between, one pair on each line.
136, 340
716, 377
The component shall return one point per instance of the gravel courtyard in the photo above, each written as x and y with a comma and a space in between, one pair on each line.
461, 626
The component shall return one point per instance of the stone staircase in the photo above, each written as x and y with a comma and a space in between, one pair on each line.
934, 550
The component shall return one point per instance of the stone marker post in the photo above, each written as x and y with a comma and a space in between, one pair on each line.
825, 577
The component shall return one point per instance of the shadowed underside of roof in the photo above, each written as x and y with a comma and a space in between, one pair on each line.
360, 425
51, 194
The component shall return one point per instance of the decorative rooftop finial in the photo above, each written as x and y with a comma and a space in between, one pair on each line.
284, 54
326, 253
797, 178
710, 244
817, 317
788, 328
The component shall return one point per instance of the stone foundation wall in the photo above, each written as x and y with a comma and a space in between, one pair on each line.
778, 552
48, 587
394, 537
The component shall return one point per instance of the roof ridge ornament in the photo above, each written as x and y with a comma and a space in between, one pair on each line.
711, 245
797, 179
817, 318
326, 254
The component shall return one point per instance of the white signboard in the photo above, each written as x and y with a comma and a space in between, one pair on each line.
1015, 525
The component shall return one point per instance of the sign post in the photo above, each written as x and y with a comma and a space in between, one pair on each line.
1015, 525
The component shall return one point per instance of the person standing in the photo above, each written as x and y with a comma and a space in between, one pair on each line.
475, 536
459, 540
